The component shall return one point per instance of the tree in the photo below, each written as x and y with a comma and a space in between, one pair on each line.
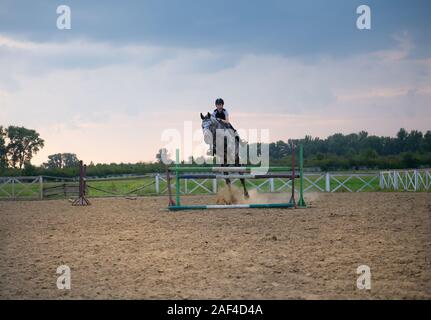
54, 161
61, 160
3, 149
362, 135
337, 144
402, 137
23, 144
410, 160
373, 142
278, 150
427, 141
70, 160
370, 154
29, 169
414, 140
162, 155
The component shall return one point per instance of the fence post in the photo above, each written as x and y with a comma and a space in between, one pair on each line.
185, 186
406, 177
395, 181
177, 178
41, 187
13, 188
328, 182
215, 185
416, 180
382, 185
426, 180
157, 183
271, 184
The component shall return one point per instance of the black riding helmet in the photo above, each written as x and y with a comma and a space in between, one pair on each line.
219, 101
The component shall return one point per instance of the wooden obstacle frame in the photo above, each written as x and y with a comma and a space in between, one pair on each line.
84, 187
82, 199
58, 190
202, 172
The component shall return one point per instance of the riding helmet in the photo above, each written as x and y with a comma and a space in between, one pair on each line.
219, 101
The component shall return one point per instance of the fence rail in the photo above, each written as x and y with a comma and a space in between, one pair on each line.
43, 187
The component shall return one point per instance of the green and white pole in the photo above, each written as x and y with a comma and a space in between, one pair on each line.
301, 202
257, 170
232, 206
177, 177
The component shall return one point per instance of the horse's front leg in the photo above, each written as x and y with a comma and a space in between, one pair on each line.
225, 174
228, 183
231, 199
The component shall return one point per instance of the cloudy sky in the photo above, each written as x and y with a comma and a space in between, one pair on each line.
128, 70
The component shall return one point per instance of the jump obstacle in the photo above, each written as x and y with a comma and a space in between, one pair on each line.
238, 173
82, 199
84, 187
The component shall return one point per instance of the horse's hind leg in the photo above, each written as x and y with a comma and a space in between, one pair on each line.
246, 195
237, 163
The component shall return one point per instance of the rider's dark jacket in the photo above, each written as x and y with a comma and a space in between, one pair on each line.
220, 115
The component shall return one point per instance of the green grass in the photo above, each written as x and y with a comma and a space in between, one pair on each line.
123, 187
26, 190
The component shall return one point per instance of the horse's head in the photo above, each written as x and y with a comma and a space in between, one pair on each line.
209, 126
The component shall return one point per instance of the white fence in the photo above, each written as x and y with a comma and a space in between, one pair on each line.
395, 180
13, 188
17, 188
406, 180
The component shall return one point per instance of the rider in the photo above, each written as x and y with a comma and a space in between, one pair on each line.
221, 113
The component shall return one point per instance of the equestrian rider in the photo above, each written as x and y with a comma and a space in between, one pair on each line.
221, 113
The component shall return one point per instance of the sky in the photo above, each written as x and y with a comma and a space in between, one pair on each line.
127, 72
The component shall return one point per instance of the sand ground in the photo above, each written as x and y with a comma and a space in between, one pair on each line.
133, 249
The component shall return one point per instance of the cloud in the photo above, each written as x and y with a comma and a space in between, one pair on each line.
96, 97
304, 27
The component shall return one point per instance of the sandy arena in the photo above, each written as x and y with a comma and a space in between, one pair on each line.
133, 249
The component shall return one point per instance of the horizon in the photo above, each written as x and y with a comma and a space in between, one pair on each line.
154, 161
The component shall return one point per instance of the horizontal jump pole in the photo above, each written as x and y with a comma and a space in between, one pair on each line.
229, 169
232, 206
236, 176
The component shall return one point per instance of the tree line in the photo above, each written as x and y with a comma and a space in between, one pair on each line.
354, 151
360, 151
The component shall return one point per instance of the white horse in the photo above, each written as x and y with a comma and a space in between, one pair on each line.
217, 132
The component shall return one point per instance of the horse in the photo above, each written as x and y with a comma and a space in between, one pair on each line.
210, 126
